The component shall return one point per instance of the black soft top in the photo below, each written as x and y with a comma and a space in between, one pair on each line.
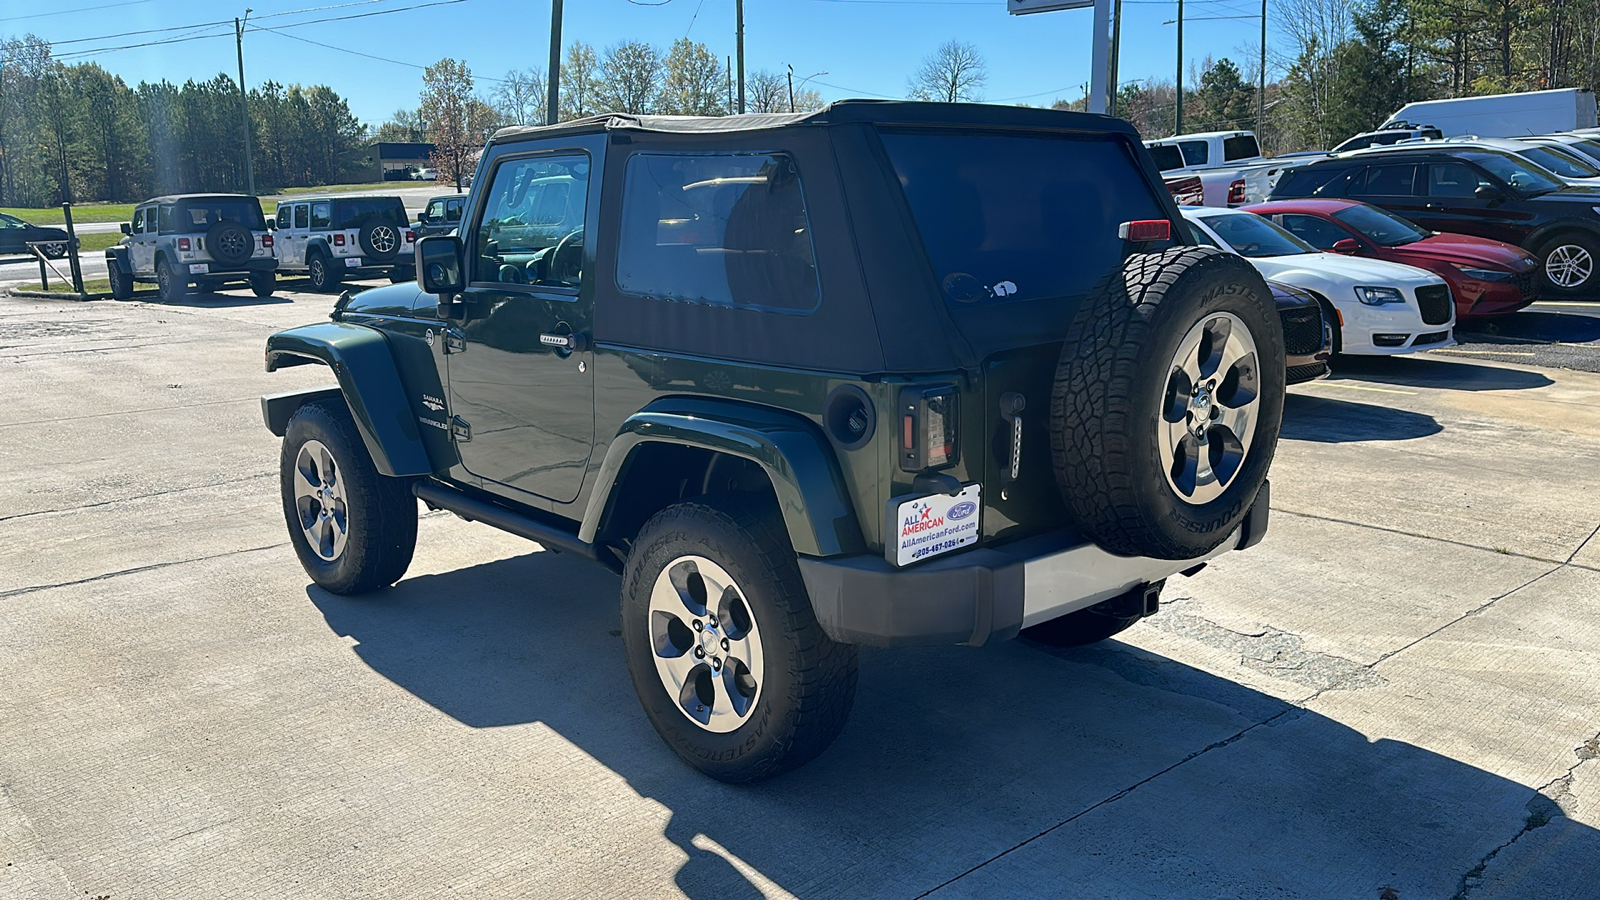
179, 198
844, 112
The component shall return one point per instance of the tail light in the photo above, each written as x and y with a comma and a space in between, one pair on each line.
1236, 193
411, 237
338, 240
1145, 230
928, 428
266, 241
183, 244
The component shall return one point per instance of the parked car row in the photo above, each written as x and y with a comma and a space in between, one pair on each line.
213, 240
16, 236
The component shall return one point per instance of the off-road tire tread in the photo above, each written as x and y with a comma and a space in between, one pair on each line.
121, 281
381, 547
823, 672
1096, 378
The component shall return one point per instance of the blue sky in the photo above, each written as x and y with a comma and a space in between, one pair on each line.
867, 47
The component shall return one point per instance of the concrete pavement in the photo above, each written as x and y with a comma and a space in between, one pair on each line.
1393, 695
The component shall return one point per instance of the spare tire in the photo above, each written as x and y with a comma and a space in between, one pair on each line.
1167, 402
380, 239
230, 243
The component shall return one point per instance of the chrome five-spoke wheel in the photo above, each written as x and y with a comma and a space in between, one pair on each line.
319, 496
705, 643
1568, 265
1213, 395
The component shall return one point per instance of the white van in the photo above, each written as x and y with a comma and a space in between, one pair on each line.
1504, 115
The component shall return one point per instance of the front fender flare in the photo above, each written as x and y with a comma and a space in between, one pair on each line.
811, 491
370, 382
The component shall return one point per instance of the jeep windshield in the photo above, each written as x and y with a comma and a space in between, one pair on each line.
356, 212
198, 215
1008, 217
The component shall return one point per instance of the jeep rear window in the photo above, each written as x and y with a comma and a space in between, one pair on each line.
1008, 217
198, 215
725, 230
356, 212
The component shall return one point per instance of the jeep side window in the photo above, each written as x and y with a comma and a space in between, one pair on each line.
138, 221
302, 215
165, 216
435, 211
321, 214
725, 230
452, 211
531, 230
285, 215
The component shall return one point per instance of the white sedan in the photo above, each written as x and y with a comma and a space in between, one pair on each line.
1383, 308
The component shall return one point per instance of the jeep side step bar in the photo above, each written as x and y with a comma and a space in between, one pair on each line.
520, 524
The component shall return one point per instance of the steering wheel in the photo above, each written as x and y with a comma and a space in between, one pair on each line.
573, 241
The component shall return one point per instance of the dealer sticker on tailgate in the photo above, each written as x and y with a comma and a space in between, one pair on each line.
929, 526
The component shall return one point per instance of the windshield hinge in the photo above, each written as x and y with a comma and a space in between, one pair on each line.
460, 429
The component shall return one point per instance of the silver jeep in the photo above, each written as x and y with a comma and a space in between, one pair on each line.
208, 240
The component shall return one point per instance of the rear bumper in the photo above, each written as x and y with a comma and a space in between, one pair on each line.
252, 266
988, 594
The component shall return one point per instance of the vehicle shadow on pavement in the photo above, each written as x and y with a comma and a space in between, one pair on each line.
1531, 326
977, 772
1420, 371
1307, 417
213, 300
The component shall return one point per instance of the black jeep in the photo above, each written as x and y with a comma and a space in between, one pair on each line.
887, 374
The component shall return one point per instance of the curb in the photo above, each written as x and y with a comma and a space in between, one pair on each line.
56, 295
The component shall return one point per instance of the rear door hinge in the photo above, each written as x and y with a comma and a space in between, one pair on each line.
460, 429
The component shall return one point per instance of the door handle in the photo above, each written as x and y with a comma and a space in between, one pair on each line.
571, 343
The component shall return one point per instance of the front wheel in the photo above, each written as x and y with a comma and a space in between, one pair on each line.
54, 251
262, 284
726, 655
121, 281
353, 529
1569, 263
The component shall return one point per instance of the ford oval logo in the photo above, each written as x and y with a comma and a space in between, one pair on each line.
962, 510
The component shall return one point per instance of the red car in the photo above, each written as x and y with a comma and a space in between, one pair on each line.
1487, 278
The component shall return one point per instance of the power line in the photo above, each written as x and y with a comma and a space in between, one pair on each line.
129, 34
176, 40
68, 12
399, 62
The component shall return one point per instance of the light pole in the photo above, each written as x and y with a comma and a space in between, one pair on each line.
244, 102
802, 84
738, 6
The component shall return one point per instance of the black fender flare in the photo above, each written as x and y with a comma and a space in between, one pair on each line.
369, 380
118, 256
812, 494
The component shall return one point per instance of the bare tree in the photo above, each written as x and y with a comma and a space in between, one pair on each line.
458, 122
766, 91
630, 78
579, 80
953, 73
693, 81
520, 98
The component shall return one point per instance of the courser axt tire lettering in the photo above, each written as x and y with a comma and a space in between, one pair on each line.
1121, 385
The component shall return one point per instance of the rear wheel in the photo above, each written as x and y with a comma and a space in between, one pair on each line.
1167, 403
353, 529
262, 284
1571, 264
54, 251
322, 274
728, 660
172, 285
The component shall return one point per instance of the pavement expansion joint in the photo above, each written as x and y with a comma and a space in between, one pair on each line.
116, 500
17, 592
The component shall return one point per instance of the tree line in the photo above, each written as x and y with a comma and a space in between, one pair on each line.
80, 132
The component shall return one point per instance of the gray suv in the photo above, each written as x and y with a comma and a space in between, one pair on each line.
207, 240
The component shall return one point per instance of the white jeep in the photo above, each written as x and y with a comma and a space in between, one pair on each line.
207, 240
329, 239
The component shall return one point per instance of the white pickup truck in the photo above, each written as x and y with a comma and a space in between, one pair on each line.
1221, 168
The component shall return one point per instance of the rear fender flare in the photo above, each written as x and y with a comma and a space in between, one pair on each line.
370, 383
812, 494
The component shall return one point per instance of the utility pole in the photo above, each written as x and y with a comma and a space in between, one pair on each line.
791, 89
738, 6
1261, 92
552, 110
244, 103
1178, 128
1116, 54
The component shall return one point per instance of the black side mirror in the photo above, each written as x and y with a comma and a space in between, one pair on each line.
1487, 192
438, 262
127, 228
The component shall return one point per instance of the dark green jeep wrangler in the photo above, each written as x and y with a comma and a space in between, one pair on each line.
885, 374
